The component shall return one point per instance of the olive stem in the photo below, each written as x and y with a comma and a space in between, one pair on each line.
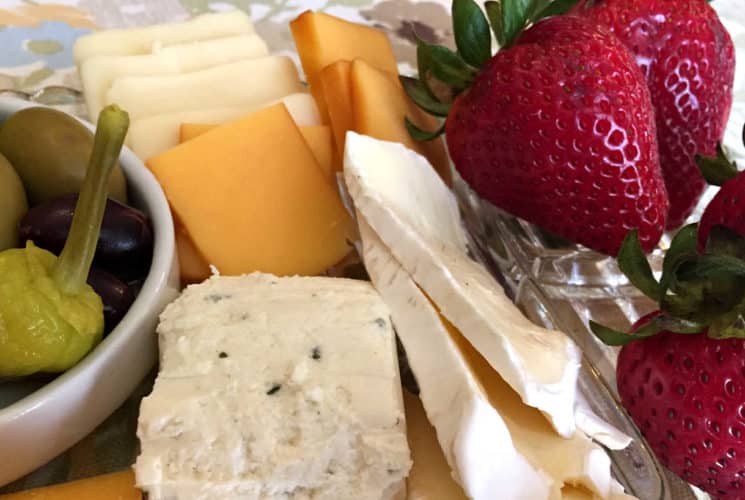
71, 269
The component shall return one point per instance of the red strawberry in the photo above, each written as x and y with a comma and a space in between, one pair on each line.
727, 208
688, 60
687, 395
681, 373
557, 129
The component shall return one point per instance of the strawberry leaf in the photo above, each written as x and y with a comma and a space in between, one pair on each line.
682, 248
725, 241
514, 18
443, 64
612, 337
633, 263
422, 96
654, 326
718, 169
422, 135
494, 13
713, 266
471, 32
555, 8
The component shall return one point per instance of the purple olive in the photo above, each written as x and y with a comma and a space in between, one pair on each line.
116, 295
125, 245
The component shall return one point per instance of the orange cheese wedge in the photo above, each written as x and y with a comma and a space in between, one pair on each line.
252, 197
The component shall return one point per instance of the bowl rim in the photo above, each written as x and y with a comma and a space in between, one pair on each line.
164, 254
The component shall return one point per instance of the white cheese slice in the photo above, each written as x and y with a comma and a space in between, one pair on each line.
530, 460
473, 436
415, 214
150, 136
275, 388
130, 41
249, 82
97, 73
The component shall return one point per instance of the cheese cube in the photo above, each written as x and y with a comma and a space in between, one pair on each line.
250, 82
98, 73
253, 198
130, 41
274, 388
153, 135
115, 486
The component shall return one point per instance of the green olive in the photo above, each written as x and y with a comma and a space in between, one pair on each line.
50, 150
13, 204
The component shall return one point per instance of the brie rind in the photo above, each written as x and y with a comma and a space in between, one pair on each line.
417, 218
525, 458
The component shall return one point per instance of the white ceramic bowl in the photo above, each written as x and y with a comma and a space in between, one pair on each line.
39, 423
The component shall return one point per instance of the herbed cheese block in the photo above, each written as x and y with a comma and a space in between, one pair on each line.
417, 218
380, 107
115, 486
130, 41
253, 198
275, 388
322, 39
153, 135
251, 82
99, 72
514, 452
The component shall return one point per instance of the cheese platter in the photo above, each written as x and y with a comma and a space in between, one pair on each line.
476, 359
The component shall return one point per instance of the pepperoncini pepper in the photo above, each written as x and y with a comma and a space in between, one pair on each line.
50, 318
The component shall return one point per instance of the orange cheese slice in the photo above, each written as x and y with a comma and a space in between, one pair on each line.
116, 486
252, 197
322, 39
430, 477
380, 106
335, 84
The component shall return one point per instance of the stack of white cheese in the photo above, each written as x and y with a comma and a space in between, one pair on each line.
211, 69
278, 388
500, 392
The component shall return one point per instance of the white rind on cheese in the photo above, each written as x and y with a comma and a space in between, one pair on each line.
275, 388
474, 438
99, 72
248, 82
463, 396
416, 216
131, 41
596, 428
153, 135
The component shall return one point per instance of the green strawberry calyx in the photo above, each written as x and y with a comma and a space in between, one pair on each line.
697, 290
444, 73
718, 169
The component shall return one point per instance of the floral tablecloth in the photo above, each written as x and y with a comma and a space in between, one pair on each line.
36, 39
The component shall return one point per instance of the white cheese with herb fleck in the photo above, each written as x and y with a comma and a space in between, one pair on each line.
275, 388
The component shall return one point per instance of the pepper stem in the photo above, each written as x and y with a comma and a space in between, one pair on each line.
71, 269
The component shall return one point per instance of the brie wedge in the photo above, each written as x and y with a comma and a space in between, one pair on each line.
515, 452
416, 216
